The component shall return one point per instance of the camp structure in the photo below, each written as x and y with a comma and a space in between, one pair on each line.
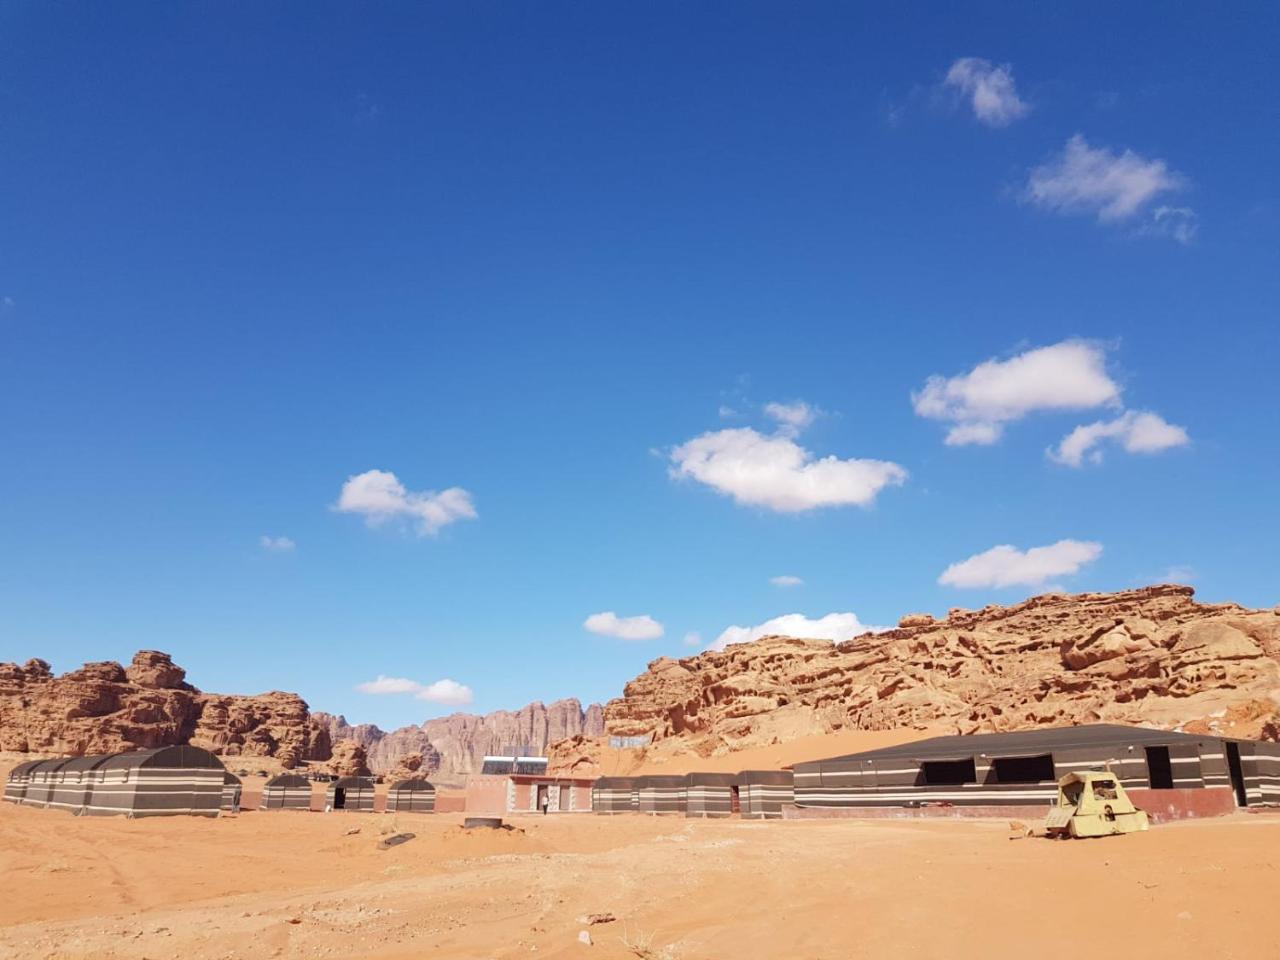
231, 789
352, 794
411, 796
656, 795
1180, 774
615, 795
286, 791
41, 780
15, 787
711, 795
72, 782
763, 793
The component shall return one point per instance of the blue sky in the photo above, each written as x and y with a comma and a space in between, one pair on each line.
559, 259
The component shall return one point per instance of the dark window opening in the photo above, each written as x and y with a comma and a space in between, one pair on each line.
1022, 769
948, 772
1159, 768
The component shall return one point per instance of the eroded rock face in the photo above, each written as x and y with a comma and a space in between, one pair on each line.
1152, 656
454, 746
348, 760
104, 708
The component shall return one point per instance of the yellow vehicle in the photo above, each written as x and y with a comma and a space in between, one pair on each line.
1093, 804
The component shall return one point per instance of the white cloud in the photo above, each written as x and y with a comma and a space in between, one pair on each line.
834, 626
1180, 223
1178, 573
379, 496
693, 639
1136, 432
786, 580
1094, 180
1070, 375
792, 417
1007, 566
446, 691
776, 472
990, 90
276, 544
609, 624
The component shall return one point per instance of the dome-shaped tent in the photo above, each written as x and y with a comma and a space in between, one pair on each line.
164, 781
286, 791
15, 787
411, 796
354, 794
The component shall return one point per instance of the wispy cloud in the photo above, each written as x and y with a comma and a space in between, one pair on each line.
609, 624
446, 691
1007, 566
1070, 375
1134, 431
276, 544
1113, 187
990, 90
793, 417
379, 497
833, 626
786, 580
692, 639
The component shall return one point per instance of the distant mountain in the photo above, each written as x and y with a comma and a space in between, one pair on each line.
453, 746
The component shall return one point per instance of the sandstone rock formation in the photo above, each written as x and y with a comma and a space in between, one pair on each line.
104, 707
453, 746
348, 760
1152, 656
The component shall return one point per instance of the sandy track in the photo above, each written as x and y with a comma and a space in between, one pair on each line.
294, 885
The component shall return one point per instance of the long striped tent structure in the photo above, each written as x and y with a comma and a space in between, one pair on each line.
15, 787
1023, 767
163, 781
763, 793
73, 783
231, 792
42, 778
286, 791
661, 794
414, 795
711, 795
615, 795
352, 794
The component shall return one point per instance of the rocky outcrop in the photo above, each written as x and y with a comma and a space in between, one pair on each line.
1152, 656
104, 708
454, 746
348, 760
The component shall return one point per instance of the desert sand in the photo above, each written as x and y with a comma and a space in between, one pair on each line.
299, 885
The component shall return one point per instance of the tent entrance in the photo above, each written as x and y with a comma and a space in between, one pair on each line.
1159, 768
339, 798
735, 800
565, 801
1237, 774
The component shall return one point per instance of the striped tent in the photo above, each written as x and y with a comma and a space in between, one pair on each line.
42, 779
73, 783
286, 791
353, 794
711, 795
614, 795
763, 793
661, 794
164, 781
411, 796
231, 789
15, 787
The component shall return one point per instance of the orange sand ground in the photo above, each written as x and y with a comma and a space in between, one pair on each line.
296, 885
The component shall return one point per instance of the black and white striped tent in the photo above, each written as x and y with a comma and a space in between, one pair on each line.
73, 783
163, 781
231, 791
411, 796
41, 779
661, 794
763, 793
352, 794
15, 787
286, 791
615, 795
711, 795
1023, 767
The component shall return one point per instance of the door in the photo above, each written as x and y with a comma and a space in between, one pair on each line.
565, 802
1237, 774
541, 802
735, 801
339, 798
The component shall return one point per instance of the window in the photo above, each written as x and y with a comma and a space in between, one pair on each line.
1159, 768
948, 772
1022, 769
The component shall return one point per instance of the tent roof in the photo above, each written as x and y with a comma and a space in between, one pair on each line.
1021, 743
413, 783
23, 768
643, 782
345, 782
90, 762
712, 779
180, 756
229, 777
617, 783
287, 780
765, 776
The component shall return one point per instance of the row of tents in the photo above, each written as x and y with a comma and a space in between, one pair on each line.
752, 794
168, 781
